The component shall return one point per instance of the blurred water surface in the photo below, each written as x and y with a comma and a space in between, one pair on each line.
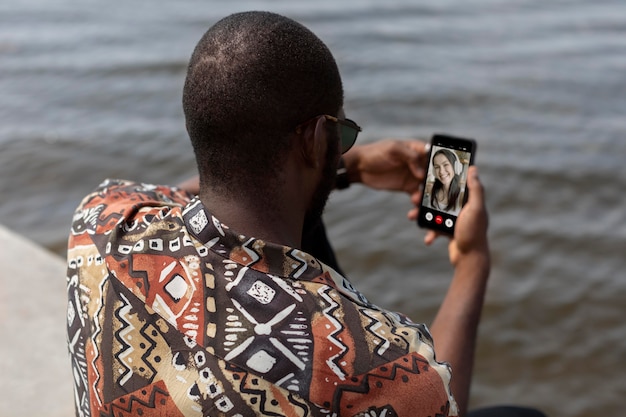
89, 92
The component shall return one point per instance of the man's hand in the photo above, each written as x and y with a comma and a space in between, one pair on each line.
455, 326
390, 164
470, 234
471, 225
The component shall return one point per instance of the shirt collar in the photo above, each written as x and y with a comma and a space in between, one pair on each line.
247, 251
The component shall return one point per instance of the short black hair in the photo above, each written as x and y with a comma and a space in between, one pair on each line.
252, 78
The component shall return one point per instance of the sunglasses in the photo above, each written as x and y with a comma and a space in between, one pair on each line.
349, 130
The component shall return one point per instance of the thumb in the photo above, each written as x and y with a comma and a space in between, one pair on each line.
476, 192
472, 223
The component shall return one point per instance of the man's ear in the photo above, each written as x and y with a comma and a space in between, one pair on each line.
313, 142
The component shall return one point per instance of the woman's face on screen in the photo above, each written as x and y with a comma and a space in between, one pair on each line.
444, 171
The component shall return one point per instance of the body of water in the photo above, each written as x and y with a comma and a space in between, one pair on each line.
91, 90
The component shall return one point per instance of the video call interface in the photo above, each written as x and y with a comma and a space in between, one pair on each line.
446, 181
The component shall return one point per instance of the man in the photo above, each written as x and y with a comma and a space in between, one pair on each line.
208, 306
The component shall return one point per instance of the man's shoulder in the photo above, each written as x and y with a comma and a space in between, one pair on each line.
117, 201
121, 193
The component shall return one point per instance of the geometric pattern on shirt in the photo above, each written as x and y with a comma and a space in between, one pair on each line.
272, 336
159, 313
202, 382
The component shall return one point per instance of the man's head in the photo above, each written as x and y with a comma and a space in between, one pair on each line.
252, 79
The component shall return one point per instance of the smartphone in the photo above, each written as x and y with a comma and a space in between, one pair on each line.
445, 183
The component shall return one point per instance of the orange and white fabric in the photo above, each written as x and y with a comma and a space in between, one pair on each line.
171, 313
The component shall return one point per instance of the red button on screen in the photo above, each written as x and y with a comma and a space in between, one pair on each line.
438, 219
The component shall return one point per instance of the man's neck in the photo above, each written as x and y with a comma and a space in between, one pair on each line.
277, 223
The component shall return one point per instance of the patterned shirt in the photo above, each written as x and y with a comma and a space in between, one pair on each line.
171, 313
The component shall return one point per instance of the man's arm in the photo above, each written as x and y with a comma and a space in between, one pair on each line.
389, 164
400, 166
456, 323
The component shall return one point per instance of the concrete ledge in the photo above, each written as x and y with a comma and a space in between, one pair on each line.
35, 376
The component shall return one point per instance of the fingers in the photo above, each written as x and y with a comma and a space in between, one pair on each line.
404, 152
472, 222
418, 158
416, 198
430, 237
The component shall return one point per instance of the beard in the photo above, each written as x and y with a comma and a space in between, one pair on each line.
315, 210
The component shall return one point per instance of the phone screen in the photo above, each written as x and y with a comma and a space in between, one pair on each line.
445, 185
